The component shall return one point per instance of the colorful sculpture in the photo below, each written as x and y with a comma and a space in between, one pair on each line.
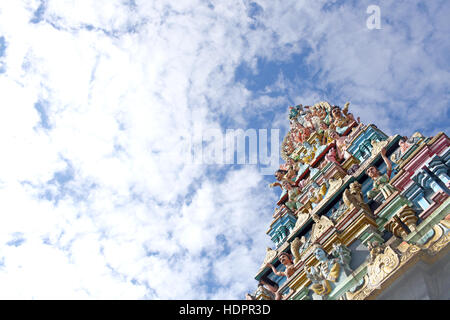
331, 156
381, 182
341, 144
327, 271
293, 192
279, 175
332, 197
353, 197
286, 260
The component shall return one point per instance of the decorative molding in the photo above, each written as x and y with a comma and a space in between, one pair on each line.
381, 267
320, 226
270, 255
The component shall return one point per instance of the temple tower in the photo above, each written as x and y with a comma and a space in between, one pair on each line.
362, 215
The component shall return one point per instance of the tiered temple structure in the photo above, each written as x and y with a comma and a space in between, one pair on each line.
362, 215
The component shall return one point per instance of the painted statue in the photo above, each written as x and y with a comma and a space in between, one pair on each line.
271, 286
324, 273
291, 168
342, 119
279, 175
286, 260
381, 182
404, 145
375, 248
353, 197
331, 156
298, 246
341, 145
343, 256
293, 193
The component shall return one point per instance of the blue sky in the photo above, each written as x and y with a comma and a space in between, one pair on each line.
99, 96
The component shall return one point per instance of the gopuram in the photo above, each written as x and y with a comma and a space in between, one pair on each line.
362, 215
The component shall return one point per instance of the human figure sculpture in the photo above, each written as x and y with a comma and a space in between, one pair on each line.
375, 248
343, 256
285, 259
308, 123
353, 197
331, 156
287, 147
342, 119
381, 182
404, 145
300, 133
272, 287
339, 121
327, 271
322, 114
323, 131
341, 145
292, 168
293, 192
279, 175
317, 193
295, 112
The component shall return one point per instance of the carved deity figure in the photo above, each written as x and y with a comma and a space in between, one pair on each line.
292, 168
353, 197
271, 286
286, 260
339, 120
404, 145
342, 119
295, 112
327, 271
293, 193
316, 193
375, 248
309, 153
298, 246
299, 133
320, 114
331, 156
343, 256
341, 145
323, 132
279, 176
381, 182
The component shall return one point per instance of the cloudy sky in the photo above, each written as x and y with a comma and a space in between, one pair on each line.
98, 98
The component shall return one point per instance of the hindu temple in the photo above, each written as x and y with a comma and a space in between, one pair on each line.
362, 215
